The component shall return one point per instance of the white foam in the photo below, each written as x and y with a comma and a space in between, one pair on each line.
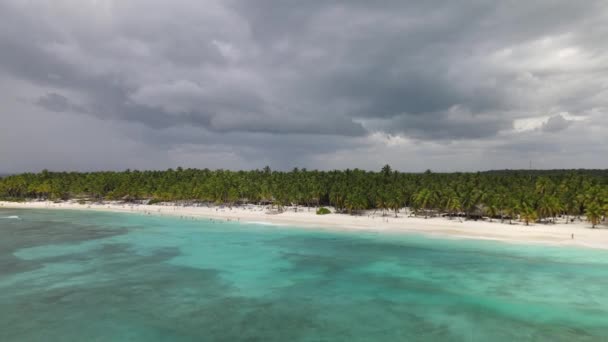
263, 223
14, 217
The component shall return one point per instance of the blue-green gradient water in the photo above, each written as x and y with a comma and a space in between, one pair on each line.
90, 276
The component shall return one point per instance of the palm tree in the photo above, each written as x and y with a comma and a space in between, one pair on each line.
491, 210
422, 200
528, 214
453, 205
470, 200
543, 185
511, 210
386, 170
337, 199
382, 201
570, 206
395, 202
549, 206
354, 202
593, 214
594, 194
501, 202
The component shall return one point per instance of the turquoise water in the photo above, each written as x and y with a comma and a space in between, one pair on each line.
90, 276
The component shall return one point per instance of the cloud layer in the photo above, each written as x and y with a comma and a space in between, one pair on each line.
462, 85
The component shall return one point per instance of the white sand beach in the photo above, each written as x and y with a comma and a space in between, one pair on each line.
558, 234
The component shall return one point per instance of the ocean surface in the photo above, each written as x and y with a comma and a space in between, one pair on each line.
92, 276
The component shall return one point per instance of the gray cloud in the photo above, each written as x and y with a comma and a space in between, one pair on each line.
58, 103
556, 123
54, 102
241, 80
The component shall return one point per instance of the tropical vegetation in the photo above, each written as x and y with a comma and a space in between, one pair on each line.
527, 195
323, 211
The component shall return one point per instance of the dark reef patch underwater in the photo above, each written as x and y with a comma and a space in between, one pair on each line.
91, 276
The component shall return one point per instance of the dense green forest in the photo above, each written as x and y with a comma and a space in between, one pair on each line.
529, 195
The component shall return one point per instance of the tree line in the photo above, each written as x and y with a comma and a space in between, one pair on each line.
529, 195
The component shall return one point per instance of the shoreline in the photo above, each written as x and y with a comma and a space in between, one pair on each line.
558, 234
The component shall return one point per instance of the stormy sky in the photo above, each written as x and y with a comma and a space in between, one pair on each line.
240, 84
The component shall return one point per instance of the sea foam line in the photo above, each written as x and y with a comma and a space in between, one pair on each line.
263, 223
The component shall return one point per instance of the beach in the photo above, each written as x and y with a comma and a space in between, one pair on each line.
575, 234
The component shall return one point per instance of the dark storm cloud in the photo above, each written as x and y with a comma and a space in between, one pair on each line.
287, 72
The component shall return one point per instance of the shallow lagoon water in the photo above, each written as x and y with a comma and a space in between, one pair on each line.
92, 276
